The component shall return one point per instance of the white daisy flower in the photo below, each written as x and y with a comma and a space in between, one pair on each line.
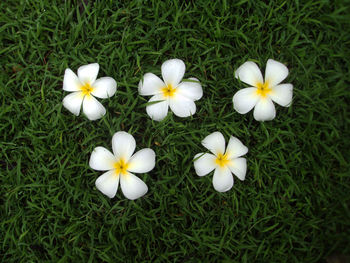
224, 162
120, 165
84, 87
261, 95
171, 92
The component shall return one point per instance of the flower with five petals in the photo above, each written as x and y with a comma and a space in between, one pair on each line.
224, 162
263, 92
171, 92
84, 87
120, 165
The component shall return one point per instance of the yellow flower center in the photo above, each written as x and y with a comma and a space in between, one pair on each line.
86, 88
263, 89
222, 160
121, 167
168, 91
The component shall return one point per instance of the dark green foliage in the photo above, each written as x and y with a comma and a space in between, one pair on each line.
293, 205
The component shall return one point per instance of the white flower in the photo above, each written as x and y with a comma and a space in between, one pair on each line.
224, 162
84, 87
263, 92
173, 93
119, 166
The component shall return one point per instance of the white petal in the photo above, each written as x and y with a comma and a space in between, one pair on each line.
157, 111
72, 102
205, 164
235, 148
101, 159
238, 167
104, 87
107, 183
282, 94
275, 72
215, 142
182, 106
223, 179
173, 71
245, 99
71, 81
123, 145
88, 73
191, 90
92, 108
264, 110
150, 85
142, 161
132, 186
249, 73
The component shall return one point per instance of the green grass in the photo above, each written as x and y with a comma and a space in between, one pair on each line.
293, 205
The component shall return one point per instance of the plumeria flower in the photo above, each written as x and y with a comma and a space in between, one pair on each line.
224, 162
120, 165
261, 95
84, 87
171, 92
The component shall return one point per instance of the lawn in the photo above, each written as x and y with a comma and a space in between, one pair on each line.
294, 205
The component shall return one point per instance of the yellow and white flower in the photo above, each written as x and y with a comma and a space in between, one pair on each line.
84, 87
120, 165
171, 92
225, 162
261, 95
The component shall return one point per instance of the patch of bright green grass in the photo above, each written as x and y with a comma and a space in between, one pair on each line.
293, 205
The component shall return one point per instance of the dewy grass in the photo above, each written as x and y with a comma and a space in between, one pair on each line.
293, 205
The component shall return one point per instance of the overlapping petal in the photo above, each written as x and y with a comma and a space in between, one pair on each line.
244, 100
238, 167
249, 73
173, 71
235, 148
275, 72
282, 94
104, 87
71, 81
191, 89
142, 161
107, 183
205, 164
264, 110
182, 106
132, 186
215, 142
158, 111
101, 159
123, 145
92, 108
223, 179
88, 73
73, 101
150, 85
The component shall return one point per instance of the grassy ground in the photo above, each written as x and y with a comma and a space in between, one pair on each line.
293, 205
